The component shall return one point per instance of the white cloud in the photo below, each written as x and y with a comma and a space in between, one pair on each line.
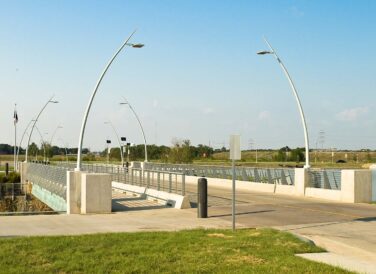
155, 103
351, 114
208, 110
263, 115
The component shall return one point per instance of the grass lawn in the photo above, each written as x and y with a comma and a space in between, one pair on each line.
190, 251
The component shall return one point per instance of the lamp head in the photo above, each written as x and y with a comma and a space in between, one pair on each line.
264, 52
137, 46
54, 102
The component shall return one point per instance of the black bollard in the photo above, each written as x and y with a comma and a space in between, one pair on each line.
202, 198
6, 169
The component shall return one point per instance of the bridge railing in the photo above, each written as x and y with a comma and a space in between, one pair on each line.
168, 181
283, 176
51, 178
325, 178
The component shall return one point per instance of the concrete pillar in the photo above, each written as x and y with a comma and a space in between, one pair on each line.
23, 170
356, 186
96, 193
373, 172
74, 192
301, 181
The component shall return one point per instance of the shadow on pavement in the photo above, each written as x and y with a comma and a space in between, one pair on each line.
241, 213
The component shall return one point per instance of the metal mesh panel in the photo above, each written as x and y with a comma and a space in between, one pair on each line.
325, 178
283, 176
51, 178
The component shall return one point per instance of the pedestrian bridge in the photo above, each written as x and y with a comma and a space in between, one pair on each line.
99, 187
91, 190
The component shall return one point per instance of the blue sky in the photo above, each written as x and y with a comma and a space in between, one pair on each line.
198, 76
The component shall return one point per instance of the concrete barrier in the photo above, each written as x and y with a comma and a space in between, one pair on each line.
356, 186
88, 193
321, 193
96, 193
244, 185
170, 199
139, 190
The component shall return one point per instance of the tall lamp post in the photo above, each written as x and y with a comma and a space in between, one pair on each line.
35, 121
23, 136
83, 126
108, 142
52, 138
54, 133
119, 141
139, 122
295, 92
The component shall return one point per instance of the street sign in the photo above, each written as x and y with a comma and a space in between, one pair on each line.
235, 153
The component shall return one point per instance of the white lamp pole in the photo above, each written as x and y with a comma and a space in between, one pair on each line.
54, 133
139, 122
35, 121
43, 143
295, 92
80, 142
118, 138
23, 136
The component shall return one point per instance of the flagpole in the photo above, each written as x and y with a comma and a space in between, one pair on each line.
15, 137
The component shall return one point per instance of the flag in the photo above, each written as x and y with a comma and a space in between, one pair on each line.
15, 116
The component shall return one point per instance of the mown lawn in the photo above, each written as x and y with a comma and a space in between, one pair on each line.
191, 251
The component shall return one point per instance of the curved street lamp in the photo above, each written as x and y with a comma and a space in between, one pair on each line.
83, 126
23, 136
139, 122
43, 143
54, 133
35, 121
118, 138
295, 92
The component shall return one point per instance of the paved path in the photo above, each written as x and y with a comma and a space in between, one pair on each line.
344, 229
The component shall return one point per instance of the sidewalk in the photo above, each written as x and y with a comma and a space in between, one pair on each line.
351, 244
167, 219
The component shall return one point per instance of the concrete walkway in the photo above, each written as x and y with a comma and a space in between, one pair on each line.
352, 244
346, 230
167, 219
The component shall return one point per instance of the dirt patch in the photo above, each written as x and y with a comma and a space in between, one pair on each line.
23, 203
248, 259
219, 235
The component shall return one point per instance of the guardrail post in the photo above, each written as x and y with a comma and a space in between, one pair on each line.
169, 182
6, 169
202, 198
158, 180
148, 178
183, 184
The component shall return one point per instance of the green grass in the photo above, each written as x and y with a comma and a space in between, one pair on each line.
190, 251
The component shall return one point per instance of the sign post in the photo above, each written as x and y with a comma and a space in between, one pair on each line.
235, 154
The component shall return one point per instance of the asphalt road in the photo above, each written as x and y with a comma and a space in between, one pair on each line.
259, 209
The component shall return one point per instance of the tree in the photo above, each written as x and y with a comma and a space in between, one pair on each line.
33, 149
180, 152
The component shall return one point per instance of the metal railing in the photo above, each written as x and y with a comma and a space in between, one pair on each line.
12, 189
325, 178
171, 182
51, 178
283, 176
